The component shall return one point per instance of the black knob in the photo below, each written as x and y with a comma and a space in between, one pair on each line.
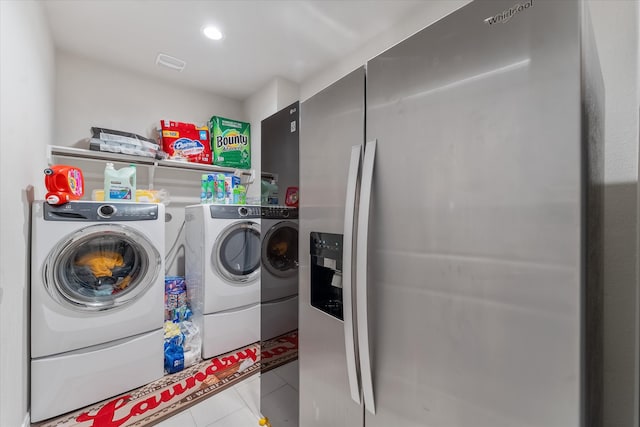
243, 211
106, 211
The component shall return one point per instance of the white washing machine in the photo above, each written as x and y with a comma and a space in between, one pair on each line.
97, 285
222, 269
279, 256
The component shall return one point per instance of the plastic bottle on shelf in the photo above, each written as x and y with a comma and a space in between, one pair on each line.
204, 187
120, 185
220, 193
273, 193
239, 195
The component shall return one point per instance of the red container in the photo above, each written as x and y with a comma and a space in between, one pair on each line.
291, 199
186, 141
64, 183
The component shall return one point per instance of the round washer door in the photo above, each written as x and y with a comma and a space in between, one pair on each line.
280, 249
101, 267
236, 255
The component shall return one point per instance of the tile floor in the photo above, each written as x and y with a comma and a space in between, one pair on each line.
239, 406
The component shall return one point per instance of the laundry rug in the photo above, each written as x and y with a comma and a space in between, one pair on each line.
164, 398
279, 351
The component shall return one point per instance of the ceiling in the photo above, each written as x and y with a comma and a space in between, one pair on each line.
264, 39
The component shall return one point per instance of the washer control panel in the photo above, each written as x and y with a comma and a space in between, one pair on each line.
234, 211
101, 211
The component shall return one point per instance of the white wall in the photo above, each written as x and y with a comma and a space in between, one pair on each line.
288, 92
616, 31
89, 93
26, 126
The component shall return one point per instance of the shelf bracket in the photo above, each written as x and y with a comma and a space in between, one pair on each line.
152, 174
49, 155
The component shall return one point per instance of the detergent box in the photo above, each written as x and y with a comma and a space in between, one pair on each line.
186, 141
230, 143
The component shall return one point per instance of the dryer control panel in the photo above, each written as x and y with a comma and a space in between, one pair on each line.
279, 212
101, 211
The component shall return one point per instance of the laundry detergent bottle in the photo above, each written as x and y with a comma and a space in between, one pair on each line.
64, 183
120, 184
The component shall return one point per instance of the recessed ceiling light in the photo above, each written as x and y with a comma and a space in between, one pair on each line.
212, 32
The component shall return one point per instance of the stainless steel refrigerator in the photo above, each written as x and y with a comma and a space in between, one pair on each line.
450, 227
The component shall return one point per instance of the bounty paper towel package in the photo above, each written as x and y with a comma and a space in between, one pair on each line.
230, 143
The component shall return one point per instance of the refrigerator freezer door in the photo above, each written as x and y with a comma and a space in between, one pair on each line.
475, 275
331, 122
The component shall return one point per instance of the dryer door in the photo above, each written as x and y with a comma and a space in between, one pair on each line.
236, 256
280, 249
101, 267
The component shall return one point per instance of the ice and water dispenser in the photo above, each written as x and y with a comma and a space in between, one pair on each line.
326, 273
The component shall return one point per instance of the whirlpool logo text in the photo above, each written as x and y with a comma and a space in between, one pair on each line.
506, 15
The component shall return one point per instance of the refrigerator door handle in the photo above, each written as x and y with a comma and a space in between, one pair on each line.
347, 271
362, 320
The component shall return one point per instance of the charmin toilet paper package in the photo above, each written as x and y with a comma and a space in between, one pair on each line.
186, 141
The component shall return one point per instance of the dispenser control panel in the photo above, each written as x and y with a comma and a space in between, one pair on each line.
326, 273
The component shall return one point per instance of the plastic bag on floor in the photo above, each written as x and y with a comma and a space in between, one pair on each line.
192, 344
173, 355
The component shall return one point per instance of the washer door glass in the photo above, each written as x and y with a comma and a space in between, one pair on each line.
237, 252
101, 267
280, 249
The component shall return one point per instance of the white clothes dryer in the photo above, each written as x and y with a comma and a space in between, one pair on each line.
279, 256
97, 285
222, 269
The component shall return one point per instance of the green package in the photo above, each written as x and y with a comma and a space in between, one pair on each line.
230, 143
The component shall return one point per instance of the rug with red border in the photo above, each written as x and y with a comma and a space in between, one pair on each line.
171, 394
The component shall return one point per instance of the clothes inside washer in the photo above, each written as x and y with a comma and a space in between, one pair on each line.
103, 268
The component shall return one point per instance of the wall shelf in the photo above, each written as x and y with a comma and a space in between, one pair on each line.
247, 176
269, 176
81, 153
